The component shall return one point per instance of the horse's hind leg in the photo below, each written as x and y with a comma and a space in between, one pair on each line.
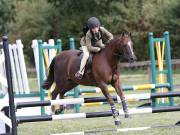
119, 91
115, 113
57, 91
61, 107
67, 86
54, 94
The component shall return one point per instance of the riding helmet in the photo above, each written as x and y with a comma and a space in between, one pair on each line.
93, 22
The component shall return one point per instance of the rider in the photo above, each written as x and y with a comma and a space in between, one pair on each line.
93, 41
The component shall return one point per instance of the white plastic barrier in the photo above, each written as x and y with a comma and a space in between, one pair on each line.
19, 78
3, 80
3, 118
22, 66
19, 73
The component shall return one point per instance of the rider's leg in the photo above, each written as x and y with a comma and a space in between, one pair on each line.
84, 60
85, 57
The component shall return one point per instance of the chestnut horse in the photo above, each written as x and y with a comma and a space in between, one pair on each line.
104, 72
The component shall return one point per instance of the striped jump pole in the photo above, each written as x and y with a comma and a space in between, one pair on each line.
134, 87
95, 99
23, 119
93, 104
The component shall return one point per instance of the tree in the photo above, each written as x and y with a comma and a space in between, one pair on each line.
7, 13
32, 22
65, 18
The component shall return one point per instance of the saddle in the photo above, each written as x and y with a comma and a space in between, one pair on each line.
88, 66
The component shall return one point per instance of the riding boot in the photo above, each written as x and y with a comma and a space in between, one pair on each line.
115, 115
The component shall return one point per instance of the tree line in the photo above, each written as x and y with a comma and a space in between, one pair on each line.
45, 19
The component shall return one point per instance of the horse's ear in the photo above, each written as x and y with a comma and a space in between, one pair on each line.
123, 34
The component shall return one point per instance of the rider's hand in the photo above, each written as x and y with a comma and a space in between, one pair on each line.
95, 49
102, 46
98, 49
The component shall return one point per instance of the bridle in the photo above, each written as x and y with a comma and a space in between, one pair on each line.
116, 54
119, 55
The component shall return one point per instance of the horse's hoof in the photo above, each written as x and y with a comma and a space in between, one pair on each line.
127, 115
117, 123
52, 113
59, 111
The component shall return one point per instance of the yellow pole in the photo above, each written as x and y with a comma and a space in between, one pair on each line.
163, 76
158, 51
160, 58
46, 60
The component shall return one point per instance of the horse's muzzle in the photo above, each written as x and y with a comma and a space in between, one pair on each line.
132, 59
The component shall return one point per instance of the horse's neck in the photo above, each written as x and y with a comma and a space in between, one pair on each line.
110, 55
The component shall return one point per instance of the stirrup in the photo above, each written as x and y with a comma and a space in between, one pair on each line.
78, 76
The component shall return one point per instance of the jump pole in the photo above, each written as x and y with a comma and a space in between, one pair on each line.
133, 87
10, 86
95, 99
117, 130
24, 119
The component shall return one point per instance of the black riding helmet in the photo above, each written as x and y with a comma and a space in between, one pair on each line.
93, 22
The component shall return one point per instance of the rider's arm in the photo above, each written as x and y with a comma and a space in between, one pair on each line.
108, 35
88, 43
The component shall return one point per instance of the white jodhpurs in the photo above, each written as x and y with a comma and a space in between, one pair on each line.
84, 60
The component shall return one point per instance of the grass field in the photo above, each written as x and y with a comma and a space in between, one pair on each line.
46, 128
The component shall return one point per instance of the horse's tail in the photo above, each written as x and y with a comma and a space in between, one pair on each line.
50, 79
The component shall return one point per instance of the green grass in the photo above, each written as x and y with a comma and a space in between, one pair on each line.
46, 128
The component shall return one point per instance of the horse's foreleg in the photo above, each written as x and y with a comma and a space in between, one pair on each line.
119, 91
115, 113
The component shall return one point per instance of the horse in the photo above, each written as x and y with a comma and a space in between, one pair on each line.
105, 70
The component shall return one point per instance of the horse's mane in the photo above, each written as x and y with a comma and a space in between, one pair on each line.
119, 37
